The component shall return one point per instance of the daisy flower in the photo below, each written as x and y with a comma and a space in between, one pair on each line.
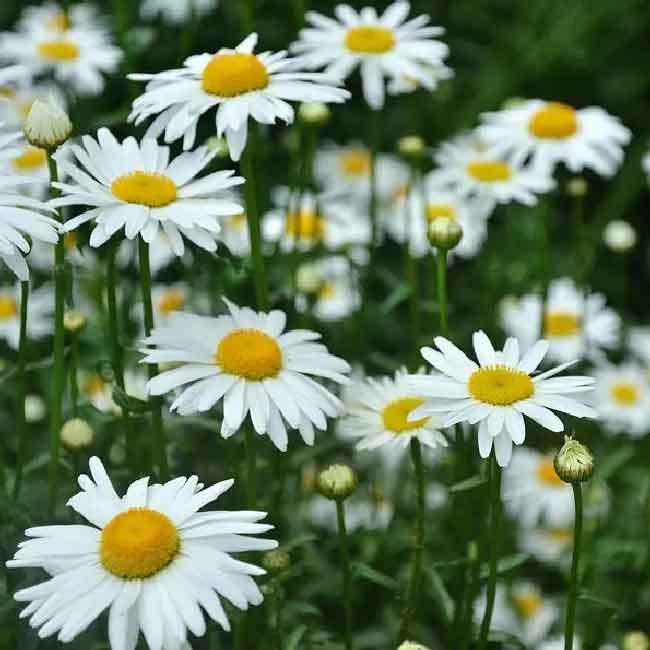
235, 235
176, 11
405, 84
372, 512
574, 325
547, 545
134, 186
377, 414
51, 15
239, 84
497, 392
465, 166
99, 392
386, 46
326, 220
161, 253
547, 133
639, 343
246, 361
77, 57
39, 313
533, 493
41, 255
557, 643
622, 398
522, 611
150, 557
15, 103
30, 163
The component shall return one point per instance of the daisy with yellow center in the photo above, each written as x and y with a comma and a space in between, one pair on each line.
497, 392
246, 361
15, 103
574, 324
622, 398
239, 83
39, 313
383, 47
135, 556
176, 12
377, 414
133, 185
547, 544
548, 133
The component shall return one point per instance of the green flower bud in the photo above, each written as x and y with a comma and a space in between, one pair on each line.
574, 462
636, 641
76, 434
445, 233
47, 126
411, 146
276, 561
337, 482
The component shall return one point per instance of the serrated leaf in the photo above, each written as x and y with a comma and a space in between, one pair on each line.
468, 484
368, 573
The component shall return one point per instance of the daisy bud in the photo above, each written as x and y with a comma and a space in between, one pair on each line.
574, 462
77, 434
47, 126
314, 113
412, 645
34, 408
73, 320
411, 146
636, 641
218, 146
445, 233
577, 187
276, 561
337, 482
619, 236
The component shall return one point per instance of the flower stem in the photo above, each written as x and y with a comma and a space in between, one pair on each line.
21, 432
441, 285
159, 443
373, 143
347, 572
495, 511
411, 276
58, 369
251, 466
418, 543
569, 625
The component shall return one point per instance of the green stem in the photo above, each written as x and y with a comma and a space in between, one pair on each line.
569, 626
159, 444
418, 543
254, 231
58, 369
347, 572
544, 248
251, 466
495, 510
74, 364
441, 285
21, 432
373, 143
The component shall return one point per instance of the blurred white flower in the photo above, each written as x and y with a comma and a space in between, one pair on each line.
39, 313
547, 545
619, 236
176, 11
361, 512
407, 84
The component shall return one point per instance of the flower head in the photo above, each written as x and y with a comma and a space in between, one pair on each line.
574, 462
47, 125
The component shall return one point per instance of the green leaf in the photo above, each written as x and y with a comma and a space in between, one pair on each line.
364, 571
294, 638
441, 595
605, 603
611, 463
299, 541
394, 299
505, 565
468, 484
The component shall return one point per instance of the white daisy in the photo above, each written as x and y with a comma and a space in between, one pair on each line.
639, 343
574, 325
52, 16
150, 557
235, 235
406, 84
547, 545
41, 255
238, 84
373, 512
386, 46
30, 163
76, 56
134, 186
377, 414
168, 298
498, 393
323, 220
176, 11
465, 166
522, 611
15, 103
548, 133
622, 398
533, 493
39, 313
328, 288
557, 643
245, 360
161, 253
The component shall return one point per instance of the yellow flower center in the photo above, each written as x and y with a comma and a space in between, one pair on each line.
625, 393
30, 159
355, 162
249, 353
237, 221
560, 535
555, 121
305, 225
561, 323
395, 415
94, 385
489, 171
58, 21
229, 75
327, 290
58, 50
546, 474
138, 543
500, 385
7, 93
70, 240
8, 307
369, 40
527, 604
145, 188
437, 210
170, 301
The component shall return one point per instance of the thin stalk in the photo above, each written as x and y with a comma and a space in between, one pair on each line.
58, 369
373, 143
21, 431
569, 625
415, 576
254, 231
251, 466
159, 442
347, 572
74, 364
411, 274
441, 286
495, 511
544, 248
